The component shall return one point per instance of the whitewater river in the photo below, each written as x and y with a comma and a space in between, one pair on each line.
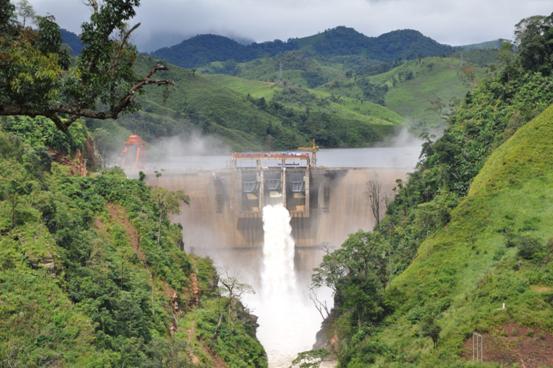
278, 270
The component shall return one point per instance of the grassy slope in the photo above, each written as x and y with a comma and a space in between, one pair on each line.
255, 88
438, 80
202, 104
465, 272
424, 98
296, 67
344, 108
219, 105
420, 91
364, 110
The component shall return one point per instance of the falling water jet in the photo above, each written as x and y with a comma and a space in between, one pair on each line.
278, 274
287, 321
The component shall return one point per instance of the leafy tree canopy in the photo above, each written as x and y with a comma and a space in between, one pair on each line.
534, 39
38, 77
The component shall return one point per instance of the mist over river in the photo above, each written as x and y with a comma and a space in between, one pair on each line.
279, 267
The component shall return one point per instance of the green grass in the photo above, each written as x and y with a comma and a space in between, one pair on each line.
434, 84
254, 88
342, 107
465, 272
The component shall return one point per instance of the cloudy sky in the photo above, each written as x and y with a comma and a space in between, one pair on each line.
166, 22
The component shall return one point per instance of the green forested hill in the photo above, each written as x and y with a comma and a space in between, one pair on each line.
495, 251
338, 41
231, 109
465, 246
92, 272
422, 91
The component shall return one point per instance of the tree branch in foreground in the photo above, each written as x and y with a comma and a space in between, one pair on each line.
71, 113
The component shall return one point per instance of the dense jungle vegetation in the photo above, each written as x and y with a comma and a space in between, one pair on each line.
92, 272
469, 231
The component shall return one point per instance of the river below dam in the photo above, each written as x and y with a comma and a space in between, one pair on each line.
278, 266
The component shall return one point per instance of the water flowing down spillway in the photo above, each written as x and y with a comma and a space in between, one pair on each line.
279, 260
278, 275
287, 320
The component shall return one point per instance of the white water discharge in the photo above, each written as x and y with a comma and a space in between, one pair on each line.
287, 320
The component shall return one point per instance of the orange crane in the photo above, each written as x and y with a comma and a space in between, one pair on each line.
132, 151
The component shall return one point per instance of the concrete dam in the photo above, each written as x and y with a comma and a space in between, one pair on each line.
325, 204
269, 218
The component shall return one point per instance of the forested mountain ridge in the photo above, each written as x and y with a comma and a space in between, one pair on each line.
309, 90
203, 49
465, 246
401, 44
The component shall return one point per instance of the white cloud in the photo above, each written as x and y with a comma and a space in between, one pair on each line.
448, 21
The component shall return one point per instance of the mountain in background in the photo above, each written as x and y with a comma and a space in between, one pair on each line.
324, 87
71, 40
396, 45
203, 49
206, 48
487, 45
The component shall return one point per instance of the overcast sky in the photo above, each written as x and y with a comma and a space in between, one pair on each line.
455, 22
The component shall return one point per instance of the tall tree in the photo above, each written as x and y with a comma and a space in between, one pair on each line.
25, 11
168, 203
534, 40
7, 16
37, 76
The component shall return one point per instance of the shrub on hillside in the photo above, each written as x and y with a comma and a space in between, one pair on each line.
528, 247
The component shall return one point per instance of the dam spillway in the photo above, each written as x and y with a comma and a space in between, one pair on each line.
325, 204
339, 205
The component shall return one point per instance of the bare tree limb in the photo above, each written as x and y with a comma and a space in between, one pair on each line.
128, 99
321, 306
127, 34
374, 189
93, 4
